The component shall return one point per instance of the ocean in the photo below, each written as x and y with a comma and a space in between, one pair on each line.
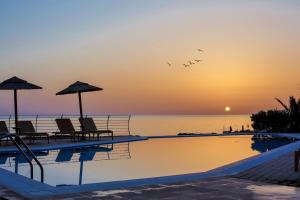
144, 125
153, 125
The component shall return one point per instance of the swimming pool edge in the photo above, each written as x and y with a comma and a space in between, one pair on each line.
76, 145
34, 189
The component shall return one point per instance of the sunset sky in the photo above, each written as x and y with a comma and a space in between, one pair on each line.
251, 54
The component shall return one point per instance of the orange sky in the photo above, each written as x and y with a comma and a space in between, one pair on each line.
251, 56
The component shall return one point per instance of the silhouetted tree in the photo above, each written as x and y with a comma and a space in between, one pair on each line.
271, 121
287, 120
294, 113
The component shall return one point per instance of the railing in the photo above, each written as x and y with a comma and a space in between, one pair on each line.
18, 142
119, 124
118, 152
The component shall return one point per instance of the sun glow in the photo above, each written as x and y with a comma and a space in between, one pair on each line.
227, 108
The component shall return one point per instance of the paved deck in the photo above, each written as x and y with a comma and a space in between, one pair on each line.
225, 188
279, 171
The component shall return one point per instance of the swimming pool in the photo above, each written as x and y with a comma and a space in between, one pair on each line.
149, 158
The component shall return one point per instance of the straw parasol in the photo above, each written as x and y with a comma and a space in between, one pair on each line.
16, 84
79, 87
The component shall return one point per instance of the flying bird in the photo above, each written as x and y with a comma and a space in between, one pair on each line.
190, 62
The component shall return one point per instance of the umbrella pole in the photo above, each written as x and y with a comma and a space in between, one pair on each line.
17, 164
81, 115
16, 111
80, 172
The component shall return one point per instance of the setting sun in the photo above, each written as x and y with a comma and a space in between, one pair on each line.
227, 108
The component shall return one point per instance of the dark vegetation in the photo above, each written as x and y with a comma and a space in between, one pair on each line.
285, 120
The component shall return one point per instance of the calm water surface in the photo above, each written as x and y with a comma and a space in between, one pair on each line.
151, 158
174, 124
150, 125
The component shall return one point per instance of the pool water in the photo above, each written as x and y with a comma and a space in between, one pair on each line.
150, 158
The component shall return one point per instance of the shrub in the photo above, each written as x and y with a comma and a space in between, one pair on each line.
287, 120
271, 121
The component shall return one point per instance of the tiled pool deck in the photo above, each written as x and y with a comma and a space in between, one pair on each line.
277, 171
214, 184
224, 188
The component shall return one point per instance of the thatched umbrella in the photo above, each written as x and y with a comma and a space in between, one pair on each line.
79, 87
16, 84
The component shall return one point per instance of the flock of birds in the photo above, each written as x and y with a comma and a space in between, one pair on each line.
189, 63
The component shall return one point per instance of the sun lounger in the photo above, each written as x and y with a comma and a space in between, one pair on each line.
89, 125
66, 128
3, 128
26, 129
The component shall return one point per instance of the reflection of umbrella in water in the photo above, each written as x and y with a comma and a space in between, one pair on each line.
88, 155
267, 145
20, 159
16, 84
64, 155
79, 87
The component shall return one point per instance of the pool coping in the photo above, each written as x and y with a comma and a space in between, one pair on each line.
76, 145
34, 189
